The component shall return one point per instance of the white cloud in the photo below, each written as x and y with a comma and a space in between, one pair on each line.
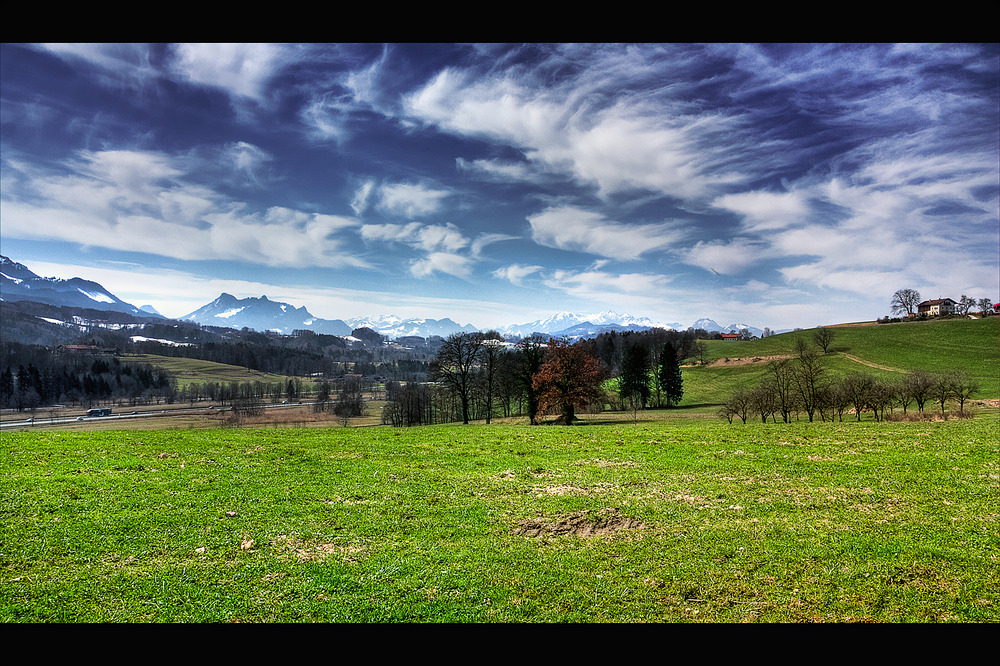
430, 238
242, 70
569, 228
361, 196
765, 211
409, 200
246, 160
636, 142
140, 202
728, 257
499, 170
441, 262
482, 240
516, 274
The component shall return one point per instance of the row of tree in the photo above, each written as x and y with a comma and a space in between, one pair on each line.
477, 376
792, 388
78, 381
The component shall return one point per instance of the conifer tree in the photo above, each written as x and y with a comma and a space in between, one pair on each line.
635, 382
669, 376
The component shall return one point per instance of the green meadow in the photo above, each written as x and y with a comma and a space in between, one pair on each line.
188, 370
886, 351
675, 520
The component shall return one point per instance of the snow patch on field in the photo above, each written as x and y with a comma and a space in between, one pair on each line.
139, 338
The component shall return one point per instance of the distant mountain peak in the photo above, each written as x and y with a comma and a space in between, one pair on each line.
18, 283
263, 314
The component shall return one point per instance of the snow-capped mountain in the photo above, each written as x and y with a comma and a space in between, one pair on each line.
394, 327
712, 327
149, 309
262, 314
18, 283
567, 323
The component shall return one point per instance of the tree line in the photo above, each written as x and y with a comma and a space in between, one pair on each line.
792, 387
34, 377
479, 376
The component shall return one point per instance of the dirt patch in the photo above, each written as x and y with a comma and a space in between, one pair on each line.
748, 360
871, 365
582, 523
310, 551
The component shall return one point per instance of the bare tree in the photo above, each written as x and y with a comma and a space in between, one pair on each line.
807, 377
918, 384
782, 386
530, 356
823, 337
942, 390
963, 388
905, 300
965, 304
857, 389
740, 404
700, 352
456, 365
491, 355
762, 401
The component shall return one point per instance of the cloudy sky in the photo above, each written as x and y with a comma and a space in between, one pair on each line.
776, 185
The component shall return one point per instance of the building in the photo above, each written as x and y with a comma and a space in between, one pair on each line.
732, 337
939, 306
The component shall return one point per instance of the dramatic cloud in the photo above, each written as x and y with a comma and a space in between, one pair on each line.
780, 184
764, 211
637, 142
242, 70
579, 230
140, 202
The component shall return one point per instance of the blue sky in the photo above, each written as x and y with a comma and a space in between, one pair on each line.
787, 185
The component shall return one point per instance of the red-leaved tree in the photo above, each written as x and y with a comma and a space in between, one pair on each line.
569, 377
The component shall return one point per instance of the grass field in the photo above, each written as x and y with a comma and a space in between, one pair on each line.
188, 370
675, 520
886, 351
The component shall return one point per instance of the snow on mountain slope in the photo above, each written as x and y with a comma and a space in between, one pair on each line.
18, 283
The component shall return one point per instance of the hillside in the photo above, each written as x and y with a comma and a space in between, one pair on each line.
188, 370
885, 350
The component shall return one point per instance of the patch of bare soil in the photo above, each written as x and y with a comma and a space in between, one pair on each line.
585, 523
748, 360
309, 551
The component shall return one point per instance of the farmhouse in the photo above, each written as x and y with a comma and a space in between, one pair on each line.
732, 337
939, 306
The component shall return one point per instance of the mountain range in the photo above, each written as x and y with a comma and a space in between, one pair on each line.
18, 283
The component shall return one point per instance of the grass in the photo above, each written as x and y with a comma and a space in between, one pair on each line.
676, 520
188, 370
888, 351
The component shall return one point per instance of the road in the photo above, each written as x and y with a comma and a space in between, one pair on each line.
181, 411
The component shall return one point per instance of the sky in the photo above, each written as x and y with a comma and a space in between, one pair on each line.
777, 185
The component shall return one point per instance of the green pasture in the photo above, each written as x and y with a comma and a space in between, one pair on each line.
675, 520
192, 370
887, 351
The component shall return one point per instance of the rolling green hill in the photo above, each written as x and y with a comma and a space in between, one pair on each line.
887, 351
188, 370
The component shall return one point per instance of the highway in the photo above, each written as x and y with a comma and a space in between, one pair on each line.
46, 421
